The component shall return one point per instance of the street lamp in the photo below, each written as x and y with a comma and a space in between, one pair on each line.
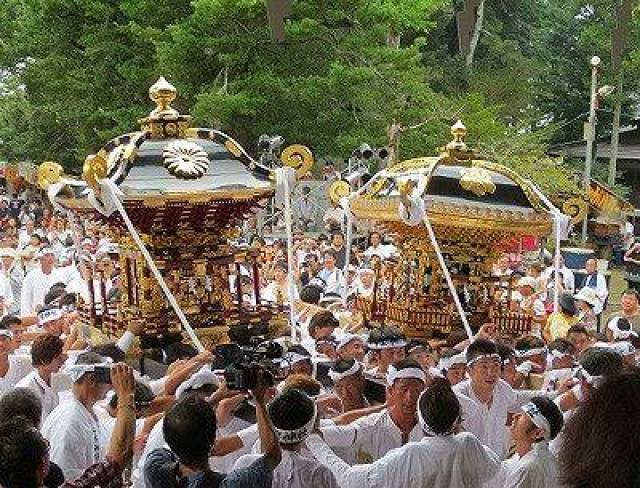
590, 133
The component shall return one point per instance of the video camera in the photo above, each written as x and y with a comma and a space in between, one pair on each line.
241, 364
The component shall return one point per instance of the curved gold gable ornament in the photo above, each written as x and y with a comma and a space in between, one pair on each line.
93, 170
298, 157
576, 208
338, 190
477, 180
49, 173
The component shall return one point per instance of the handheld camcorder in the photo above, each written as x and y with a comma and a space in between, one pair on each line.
241, 364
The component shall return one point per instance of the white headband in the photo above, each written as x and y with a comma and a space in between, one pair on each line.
556, 354
292, 358
446, 363
623, 348
531, 352
77, 371
346, 339
495, 355
6, 333
425, 427
619, 333
337, 376
297, 435
49, 315
533, 412
594, 381
388, 344
394, 374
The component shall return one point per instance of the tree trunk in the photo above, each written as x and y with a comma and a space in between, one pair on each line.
615, 133
475, 35
393, 39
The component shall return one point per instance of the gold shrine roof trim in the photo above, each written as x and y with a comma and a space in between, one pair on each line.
459, 190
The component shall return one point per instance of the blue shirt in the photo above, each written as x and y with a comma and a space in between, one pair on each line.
161, 471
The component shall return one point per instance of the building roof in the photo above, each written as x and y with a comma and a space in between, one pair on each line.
628, 146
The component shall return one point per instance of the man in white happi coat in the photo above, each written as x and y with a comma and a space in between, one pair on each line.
13, 367
371, 437
533, 465
442, 458
493, 397
76, 436
38, 282
47, 357
12, 270
294, 416
6, 296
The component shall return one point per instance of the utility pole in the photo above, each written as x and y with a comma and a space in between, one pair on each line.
590, 136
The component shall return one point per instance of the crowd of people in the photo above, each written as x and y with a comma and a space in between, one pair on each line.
345, 406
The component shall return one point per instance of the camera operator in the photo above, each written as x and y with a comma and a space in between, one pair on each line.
190, 431
24, 460
77, 438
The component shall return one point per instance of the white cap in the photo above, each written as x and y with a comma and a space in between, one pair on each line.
527, 281
7, 252
204, 376
587, 295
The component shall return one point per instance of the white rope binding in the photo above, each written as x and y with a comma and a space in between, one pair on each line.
284, 177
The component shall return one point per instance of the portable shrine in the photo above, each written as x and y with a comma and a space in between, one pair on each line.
187, 191
473, 206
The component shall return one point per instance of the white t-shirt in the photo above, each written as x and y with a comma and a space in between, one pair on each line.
333, 279
35, 286
536, 469
270, 293
19, 367
567, 279
490, 421
295, 471
382, 250
6, 292
47, 395
371, 436
77, 438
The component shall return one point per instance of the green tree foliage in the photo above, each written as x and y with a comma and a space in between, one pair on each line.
76, 72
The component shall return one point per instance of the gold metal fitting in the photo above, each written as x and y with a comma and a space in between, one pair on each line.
163, 94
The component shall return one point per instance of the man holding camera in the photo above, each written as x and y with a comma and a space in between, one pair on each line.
77, 438
190, 431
